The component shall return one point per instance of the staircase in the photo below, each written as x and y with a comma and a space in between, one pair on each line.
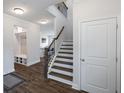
62, 67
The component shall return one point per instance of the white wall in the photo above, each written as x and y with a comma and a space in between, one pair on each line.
60, 21
46, 32
69, 4
33, 39
86, 10
33, 43
8, 55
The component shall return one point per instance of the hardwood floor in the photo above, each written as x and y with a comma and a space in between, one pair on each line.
35, 82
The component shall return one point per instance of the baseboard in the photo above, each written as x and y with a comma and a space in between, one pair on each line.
32, 63
75, 86
9, 71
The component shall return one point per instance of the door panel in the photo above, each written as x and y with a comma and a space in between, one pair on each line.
98, 54
97, 40
93, 80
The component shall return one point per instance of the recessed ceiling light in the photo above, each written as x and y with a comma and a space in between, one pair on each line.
18, 11
44, 21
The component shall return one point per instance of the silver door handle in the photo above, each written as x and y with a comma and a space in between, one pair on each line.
83, 60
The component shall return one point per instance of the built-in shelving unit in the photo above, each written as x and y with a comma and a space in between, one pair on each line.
20, 50
21, 59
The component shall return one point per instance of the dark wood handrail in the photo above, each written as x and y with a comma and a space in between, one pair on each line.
65, 5
56, 38
46, 56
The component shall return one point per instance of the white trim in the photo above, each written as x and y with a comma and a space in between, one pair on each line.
63, 65
63, 59
75, 86
9, 71
61, 72
62, 50
66, 47
118, 46
32, 63
119, 54
76, 47
60, 79
95, 19
65, 55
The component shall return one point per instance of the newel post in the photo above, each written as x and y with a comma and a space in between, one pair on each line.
46, 63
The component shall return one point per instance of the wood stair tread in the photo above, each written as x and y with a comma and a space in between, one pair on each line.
61, 76
62, 68
66, 52
65, 57
67, 48
63, 62
67, 44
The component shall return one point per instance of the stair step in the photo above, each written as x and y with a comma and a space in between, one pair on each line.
67, 48
66, 60
68, 82
61, 76
63, 62
63, 65
65, 57
62, 50
61, 72
63, 68
68, 41
67, 44
66, 52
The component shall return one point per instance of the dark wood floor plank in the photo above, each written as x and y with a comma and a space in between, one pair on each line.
61, 76
65, 57
35, 82
63, 62
65, 52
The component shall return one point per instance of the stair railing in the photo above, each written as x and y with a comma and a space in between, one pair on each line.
50, 54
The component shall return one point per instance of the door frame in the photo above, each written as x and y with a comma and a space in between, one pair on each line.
118, 49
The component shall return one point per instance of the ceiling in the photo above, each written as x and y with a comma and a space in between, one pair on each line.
35, 10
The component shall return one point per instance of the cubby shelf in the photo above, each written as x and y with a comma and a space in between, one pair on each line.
21, 59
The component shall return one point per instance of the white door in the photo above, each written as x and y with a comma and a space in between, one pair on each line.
98, 56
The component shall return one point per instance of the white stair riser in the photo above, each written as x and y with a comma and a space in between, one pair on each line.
66, 47
65, 55
60, 79
63, 65
62, 50
67, 43
62, 72
63, 59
